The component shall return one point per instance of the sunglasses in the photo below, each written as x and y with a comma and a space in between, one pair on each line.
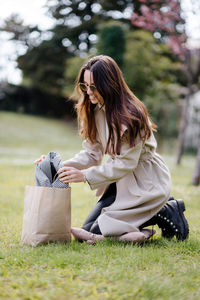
84, 87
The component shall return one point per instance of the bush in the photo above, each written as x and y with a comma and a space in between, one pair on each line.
33, 101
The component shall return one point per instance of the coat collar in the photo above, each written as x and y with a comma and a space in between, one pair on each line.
100, 124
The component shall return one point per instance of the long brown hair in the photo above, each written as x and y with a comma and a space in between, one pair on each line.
121, 105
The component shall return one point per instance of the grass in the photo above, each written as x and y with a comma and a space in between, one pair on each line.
160, 269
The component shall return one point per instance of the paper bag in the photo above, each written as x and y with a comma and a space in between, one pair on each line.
47, 215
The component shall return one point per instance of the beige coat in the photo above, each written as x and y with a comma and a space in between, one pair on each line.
142, 179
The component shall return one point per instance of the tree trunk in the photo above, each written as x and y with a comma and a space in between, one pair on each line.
182, 130
196, 174
184, 117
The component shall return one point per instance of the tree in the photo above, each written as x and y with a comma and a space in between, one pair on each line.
196, 173
149, 71
72, 68
165, 20
28, 36
74, 34
77, 24
43, 63
78, 21
112, 41
44, 66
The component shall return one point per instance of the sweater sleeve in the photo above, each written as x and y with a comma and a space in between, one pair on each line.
90, 156
114, 168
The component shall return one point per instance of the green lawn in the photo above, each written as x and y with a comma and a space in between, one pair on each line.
160, 269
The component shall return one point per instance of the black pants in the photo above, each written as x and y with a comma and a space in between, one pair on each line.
107, 199
91, 223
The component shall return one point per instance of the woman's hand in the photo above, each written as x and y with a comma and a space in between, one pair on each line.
37, 161
70, 174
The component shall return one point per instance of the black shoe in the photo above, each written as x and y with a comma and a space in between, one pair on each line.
154, 221
168, 233
172, 221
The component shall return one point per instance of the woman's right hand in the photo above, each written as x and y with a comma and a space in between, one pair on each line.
37, 161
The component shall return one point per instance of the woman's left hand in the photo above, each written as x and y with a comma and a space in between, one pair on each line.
70, 174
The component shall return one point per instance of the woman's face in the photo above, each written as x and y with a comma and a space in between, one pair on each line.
94, 97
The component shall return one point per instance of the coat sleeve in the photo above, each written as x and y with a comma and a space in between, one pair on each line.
114, 168
90, 156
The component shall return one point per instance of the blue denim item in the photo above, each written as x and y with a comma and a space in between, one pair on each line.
46, 171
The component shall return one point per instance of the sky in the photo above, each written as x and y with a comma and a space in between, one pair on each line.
33, 13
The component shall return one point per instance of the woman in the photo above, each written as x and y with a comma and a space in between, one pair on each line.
134, 183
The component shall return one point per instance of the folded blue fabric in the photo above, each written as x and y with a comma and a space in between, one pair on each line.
45, 171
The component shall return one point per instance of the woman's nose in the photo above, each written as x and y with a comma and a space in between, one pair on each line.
89, 92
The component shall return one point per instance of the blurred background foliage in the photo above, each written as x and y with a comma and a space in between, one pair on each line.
82, 29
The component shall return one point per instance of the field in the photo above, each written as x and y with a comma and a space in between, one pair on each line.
160, 269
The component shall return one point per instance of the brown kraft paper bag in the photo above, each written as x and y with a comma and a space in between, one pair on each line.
47, 215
